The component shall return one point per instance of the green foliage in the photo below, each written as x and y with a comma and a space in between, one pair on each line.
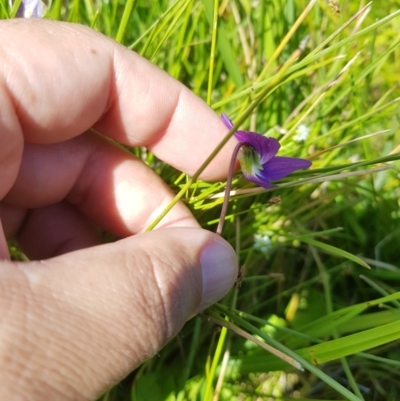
306, 290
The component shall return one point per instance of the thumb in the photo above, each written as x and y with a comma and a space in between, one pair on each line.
87, 318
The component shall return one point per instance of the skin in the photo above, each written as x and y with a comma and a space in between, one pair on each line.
81, 315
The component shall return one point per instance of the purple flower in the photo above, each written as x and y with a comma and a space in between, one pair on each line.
257, 157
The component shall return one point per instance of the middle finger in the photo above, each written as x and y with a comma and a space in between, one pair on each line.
108, 184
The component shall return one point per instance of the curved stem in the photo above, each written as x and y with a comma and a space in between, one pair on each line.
228, 188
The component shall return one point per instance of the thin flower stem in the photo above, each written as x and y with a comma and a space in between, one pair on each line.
228, 188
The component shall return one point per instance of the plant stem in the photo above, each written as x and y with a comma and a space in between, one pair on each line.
228, 188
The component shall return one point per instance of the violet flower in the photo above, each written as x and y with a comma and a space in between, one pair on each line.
258, 158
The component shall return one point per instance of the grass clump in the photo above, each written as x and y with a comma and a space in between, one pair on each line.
319, 257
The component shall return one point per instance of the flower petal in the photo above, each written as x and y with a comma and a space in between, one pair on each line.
279, 167
260, 181
227, 121
267, 148
31, 9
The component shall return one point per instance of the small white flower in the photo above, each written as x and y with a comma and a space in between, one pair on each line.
262, 243
31, 9
302, 133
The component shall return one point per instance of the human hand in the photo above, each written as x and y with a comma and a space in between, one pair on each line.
81, 315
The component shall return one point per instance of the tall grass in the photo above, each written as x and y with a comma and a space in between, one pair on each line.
319, 254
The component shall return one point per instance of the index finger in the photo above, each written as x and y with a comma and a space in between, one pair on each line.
60, 79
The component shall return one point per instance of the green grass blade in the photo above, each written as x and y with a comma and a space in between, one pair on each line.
335, 251
128, 9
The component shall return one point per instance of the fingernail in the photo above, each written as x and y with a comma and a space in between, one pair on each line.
219, 267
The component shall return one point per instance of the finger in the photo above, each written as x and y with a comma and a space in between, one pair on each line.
105, 182
4, 253
54, 230
89, 317
92, 81
48, 231
12, 219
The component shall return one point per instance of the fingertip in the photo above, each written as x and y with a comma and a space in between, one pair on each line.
219, 267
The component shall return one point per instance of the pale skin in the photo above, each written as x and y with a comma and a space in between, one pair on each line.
81, 315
